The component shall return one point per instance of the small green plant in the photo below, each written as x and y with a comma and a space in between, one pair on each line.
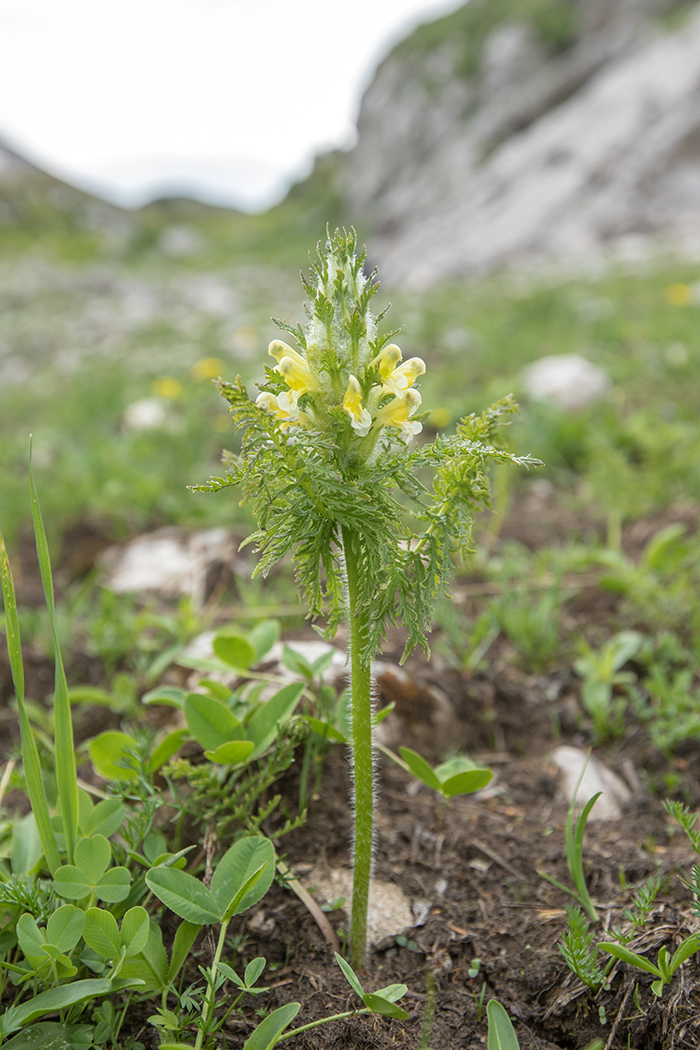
272, 1029
88, 917
575, 830
326, 463
479, 1000
666, 964
687, 820
579, 952
531, 623
241, 878
456, 776
582, 957
248, 739
601, 673
658, 589
672, 713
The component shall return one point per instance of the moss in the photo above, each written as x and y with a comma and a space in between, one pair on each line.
467, 29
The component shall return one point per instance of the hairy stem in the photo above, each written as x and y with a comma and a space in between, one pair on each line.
362, 759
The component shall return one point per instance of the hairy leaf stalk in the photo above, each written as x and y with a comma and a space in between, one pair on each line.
362, 756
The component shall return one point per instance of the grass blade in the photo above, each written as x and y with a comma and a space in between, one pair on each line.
66, 769
30, 754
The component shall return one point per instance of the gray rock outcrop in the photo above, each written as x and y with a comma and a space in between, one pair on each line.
534, 156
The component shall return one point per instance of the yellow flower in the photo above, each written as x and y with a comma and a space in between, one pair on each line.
278, 350
297, 376
360, 419
284, 406
679, 294
292, 367
397, 377
166, 386
207, 368
387, 360
440, 418
399, 411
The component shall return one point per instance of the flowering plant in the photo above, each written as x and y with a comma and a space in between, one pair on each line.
327, 463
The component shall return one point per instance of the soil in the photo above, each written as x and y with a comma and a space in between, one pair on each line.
490, 924
476, 864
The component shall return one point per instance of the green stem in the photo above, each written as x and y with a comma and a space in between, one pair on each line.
115, 1034
323, 1020
208, 1007
362, 758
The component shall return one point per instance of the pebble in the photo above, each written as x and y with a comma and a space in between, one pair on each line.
567, 380
570, 763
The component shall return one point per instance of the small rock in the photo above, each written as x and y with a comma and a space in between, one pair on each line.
148, 413
168, 562
310, 650
261, 923
420, 706
180, 241
567, 380
570, 763
389, 914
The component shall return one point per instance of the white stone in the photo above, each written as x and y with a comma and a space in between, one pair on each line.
389, 913
148, 413
179, 241
169, 562
571, 763
567, 380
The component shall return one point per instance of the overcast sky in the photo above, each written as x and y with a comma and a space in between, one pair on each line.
236, 95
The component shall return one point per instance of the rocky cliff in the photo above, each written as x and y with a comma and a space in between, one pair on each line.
516, 131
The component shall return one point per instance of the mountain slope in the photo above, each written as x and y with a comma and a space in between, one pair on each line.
567, 128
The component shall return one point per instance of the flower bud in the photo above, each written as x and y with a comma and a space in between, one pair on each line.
279, 349
387, 360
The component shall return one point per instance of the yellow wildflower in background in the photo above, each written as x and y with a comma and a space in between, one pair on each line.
440, 418
167, 386
221, 422
679, 294
207, 368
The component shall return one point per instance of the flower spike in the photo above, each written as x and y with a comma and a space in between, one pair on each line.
328, 483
